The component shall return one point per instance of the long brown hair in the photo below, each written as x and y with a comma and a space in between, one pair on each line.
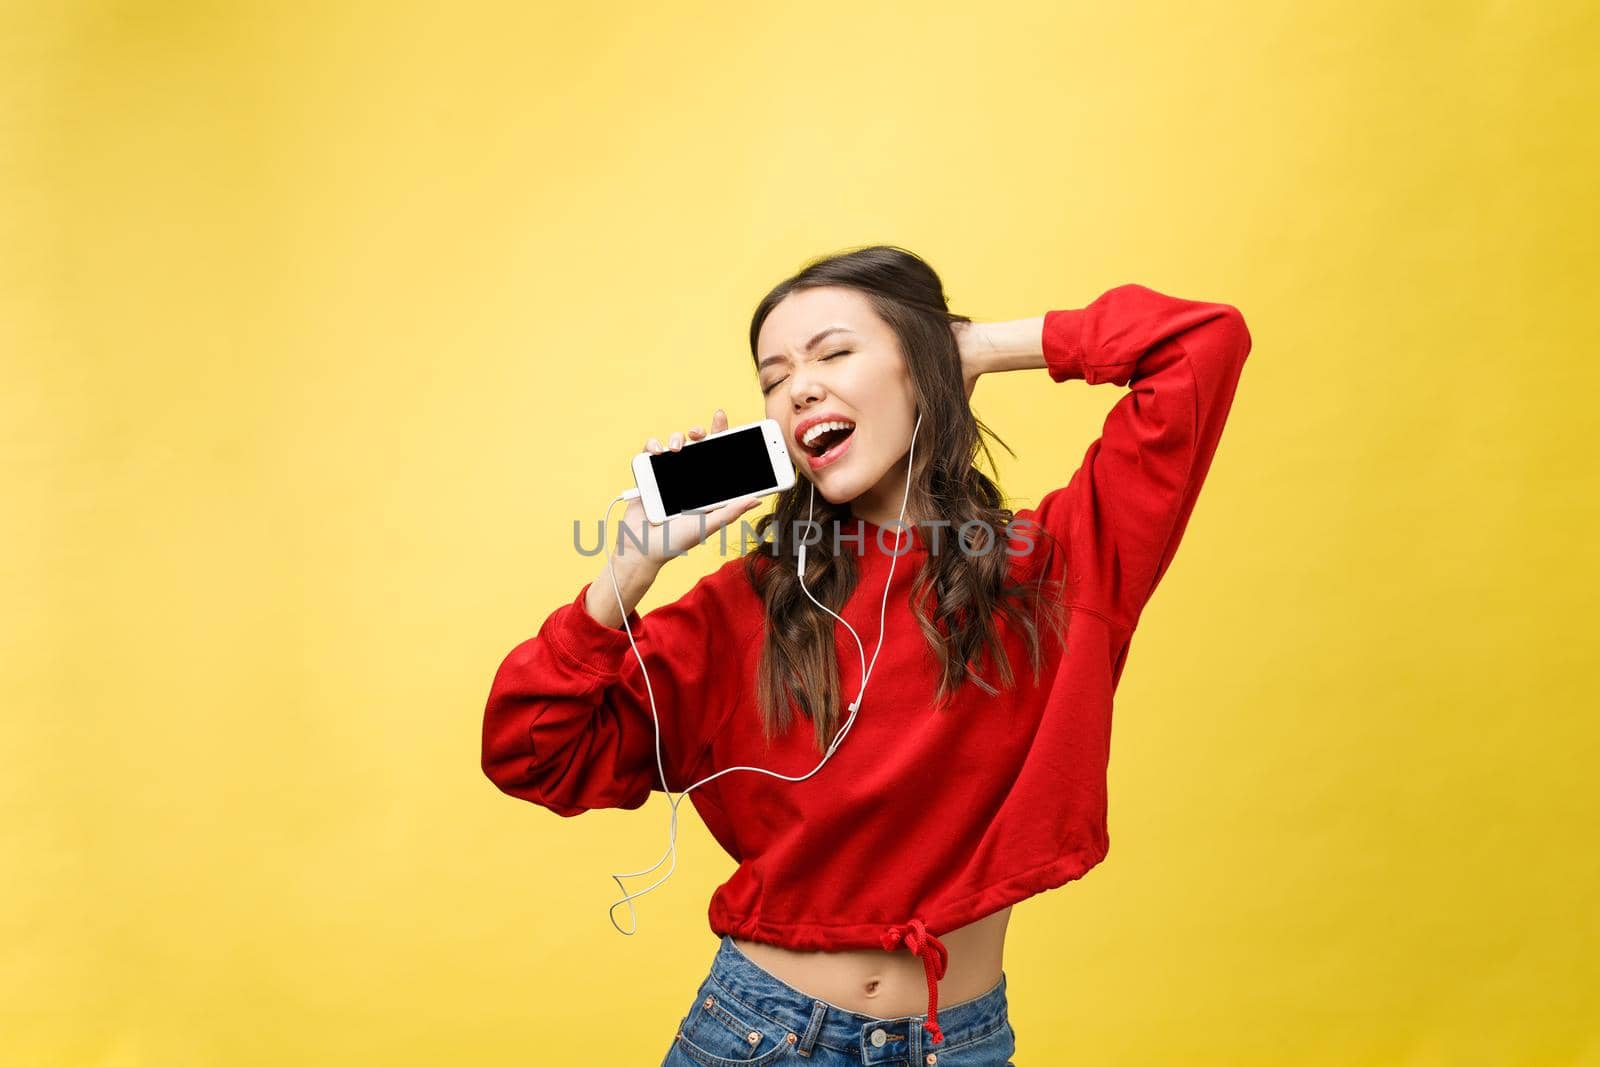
958, 598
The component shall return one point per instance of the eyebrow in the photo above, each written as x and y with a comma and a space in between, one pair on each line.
809, 344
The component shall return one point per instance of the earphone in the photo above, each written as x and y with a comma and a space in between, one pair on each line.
855, 705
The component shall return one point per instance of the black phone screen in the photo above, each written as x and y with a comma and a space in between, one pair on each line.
713, 470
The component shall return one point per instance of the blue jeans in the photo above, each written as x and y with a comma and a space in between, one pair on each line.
743, 1016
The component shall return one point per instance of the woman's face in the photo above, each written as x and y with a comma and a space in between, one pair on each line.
824, 355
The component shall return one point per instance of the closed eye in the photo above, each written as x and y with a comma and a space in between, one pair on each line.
765, 389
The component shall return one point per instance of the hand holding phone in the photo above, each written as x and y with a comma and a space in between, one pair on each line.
700, 483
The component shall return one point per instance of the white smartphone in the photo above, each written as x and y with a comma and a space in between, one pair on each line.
741, 461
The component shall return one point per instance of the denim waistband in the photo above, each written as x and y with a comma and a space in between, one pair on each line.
817, 1022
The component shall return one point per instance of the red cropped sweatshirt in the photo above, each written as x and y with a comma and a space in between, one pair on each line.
924, 819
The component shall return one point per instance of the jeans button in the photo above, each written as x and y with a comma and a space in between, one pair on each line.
879, 1037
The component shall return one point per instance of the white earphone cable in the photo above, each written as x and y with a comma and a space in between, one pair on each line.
855, 705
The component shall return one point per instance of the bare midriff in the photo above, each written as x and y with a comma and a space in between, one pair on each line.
888, 985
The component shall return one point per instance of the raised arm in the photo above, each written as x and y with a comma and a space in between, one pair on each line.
1124, 511
567, 725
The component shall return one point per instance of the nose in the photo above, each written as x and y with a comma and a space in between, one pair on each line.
805, 387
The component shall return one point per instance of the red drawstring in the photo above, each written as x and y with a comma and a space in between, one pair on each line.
935, 959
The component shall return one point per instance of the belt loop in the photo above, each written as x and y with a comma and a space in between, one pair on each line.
819, 1010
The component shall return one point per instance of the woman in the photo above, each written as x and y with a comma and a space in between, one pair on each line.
878, 887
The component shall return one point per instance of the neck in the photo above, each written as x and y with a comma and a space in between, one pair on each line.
884, 514
880, 505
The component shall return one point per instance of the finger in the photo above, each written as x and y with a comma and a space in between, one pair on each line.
720, 517
675, 442
652, 445
719, 421
723, 512
725, 515
739, 507
697, 432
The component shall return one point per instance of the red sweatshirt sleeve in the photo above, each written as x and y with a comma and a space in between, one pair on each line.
568, 726
1123, 512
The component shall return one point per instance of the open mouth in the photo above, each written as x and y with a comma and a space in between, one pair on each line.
826, 437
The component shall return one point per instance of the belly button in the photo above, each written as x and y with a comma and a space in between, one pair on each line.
872, 987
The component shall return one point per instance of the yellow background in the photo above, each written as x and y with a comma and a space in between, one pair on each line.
321, 324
